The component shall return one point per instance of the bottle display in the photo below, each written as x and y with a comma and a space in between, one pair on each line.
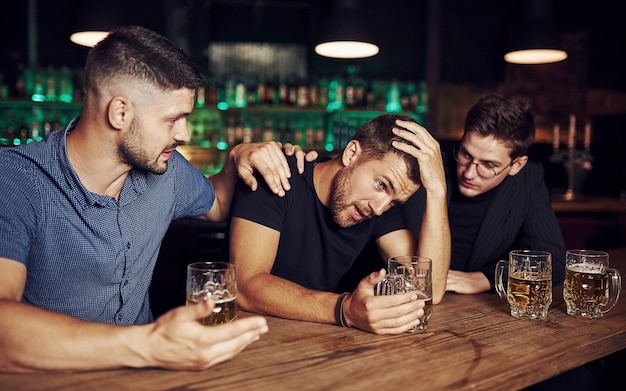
320, 113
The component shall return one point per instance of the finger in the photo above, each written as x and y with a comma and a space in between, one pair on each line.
370, 281
311, 156
225, 341
271, 163
195, 311
289, 149
300, 160
281, 172
416, 134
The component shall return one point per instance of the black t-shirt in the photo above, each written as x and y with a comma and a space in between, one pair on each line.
313, 250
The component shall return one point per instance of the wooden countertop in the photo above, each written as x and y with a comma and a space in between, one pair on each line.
589, 205
472, 343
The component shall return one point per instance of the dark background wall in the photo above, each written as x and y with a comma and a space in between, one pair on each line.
472, 33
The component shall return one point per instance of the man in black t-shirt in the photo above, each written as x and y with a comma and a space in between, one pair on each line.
291, 252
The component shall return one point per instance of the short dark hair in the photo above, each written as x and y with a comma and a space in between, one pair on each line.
138, 53
375, 137
506, 118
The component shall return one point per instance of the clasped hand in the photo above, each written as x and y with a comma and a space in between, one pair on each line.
393, 314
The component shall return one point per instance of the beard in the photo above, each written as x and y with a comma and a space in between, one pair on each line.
130, 151
339, 198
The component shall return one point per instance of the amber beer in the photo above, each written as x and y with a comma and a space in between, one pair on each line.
529, 294
216, 281
528, 285
225, 311
585, 291
591, 287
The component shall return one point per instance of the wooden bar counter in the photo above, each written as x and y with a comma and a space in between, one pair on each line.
472, 343
586, 204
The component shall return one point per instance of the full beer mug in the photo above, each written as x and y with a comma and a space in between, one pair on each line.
529, 283
591, 288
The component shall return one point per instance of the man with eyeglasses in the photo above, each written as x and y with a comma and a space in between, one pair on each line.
498, 199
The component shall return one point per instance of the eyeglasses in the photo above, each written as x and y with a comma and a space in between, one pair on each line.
484, 170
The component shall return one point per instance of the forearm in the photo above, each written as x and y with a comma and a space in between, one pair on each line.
435, 242
271, 295
33, 340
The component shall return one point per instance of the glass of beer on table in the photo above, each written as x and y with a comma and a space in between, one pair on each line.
591, 288
410, 273
216, 281
528, 285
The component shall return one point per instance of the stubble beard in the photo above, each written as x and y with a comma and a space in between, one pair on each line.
130, 151
338, 202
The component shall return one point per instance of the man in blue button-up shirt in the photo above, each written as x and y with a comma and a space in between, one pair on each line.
83, 213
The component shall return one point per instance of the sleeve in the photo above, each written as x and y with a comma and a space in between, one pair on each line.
262, 206
541, 230
194, 194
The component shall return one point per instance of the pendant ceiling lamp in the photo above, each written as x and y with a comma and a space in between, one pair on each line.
345, 33
536, 40
94, 21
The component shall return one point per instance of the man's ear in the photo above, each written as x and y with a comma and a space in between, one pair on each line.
351, 153
118, 112
518, 164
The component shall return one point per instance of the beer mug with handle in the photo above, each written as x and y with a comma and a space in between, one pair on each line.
529, 283
410, 273
591, 288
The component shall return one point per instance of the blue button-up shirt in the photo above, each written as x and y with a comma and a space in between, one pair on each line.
87, 255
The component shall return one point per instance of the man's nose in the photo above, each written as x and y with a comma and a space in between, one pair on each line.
182, 132
471, 170
381, 206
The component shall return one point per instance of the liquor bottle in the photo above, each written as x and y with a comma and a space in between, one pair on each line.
309, 133
292, 92
422, 106
268, 131
240, 94
282, 91
393, 104
66, 87
272, 91
229, 91
320, 134
302, 97
51, 85
313, 94
359, 92
350, 97
335, 95
200, 97
247, 129
322, 92
211, 92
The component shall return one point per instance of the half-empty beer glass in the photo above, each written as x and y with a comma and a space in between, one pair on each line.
217, 281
